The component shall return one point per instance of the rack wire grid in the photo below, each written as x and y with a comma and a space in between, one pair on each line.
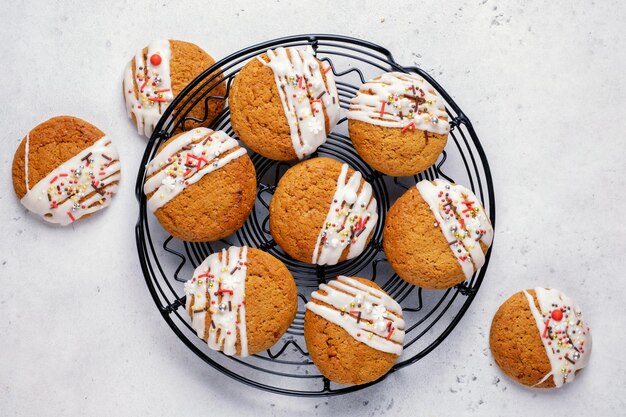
286, 368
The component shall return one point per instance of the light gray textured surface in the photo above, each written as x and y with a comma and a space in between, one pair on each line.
543, 83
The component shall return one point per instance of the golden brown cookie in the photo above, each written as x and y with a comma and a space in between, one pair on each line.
65, 169
322, 212
353, 330
241, 300
284, 104
201, 185
157, 74
539, 338
436, 234
398, 123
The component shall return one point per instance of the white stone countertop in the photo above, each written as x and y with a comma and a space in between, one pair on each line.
543, 83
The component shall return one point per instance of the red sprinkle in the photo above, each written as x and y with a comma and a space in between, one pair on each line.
390, 333
160, 100
327, 69
144, 84
557, 314
382, 109
54, 179
69, 213
155, 60
545, 330
409, 126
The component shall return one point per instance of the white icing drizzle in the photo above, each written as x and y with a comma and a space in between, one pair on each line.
304, 96
367, 314
400, 100
68, 192
462, 220
563, 332
219, 287
154, 86
350, 220
184, 161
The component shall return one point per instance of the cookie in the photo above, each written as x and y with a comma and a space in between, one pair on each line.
322, 212
436, 234
65, 169
201, 185
398, 123
284, 103
540, 338
157, 74
241, 301
354, 331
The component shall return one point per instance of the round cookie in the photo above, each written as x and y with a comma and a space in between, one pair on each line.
322, 212
540, 339
353, 330
398, 123
157, 74
284, 103
436, 234
65, 169
241, 301
201, 185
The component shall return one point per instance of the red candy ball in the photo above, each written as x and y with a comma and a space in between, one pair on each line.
155, 59
557, 314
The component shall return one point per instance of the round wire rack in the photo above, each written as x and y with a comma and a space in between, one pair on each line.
286, 368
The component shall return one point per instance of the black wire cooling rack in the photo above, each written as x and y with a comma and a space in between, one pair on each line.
286, 368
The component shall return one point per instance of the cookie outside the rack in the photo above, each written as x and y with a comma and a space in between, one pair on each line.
201, 185
284, 103
322, 212
65, 169
353, 330
157, 74
241, 300
436, 234
539, 338
398, 124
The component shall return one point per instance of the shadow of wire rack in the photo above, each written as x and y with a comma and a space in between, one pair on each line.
286, 368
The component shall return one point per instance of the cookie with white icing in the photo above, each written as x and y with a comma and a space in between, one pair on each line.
398, 123
540, 338
241, 300
323, 212
201, 185
353, 330
284, 103
65, 169
157, 74
437, 234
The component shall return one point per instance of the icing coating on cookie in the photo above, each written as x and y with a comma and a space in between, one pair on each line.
304, 96
184, 161
367, 314
81, 185
462, 220
400, 100
153, 84
349, 222
563, 332
219, 287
